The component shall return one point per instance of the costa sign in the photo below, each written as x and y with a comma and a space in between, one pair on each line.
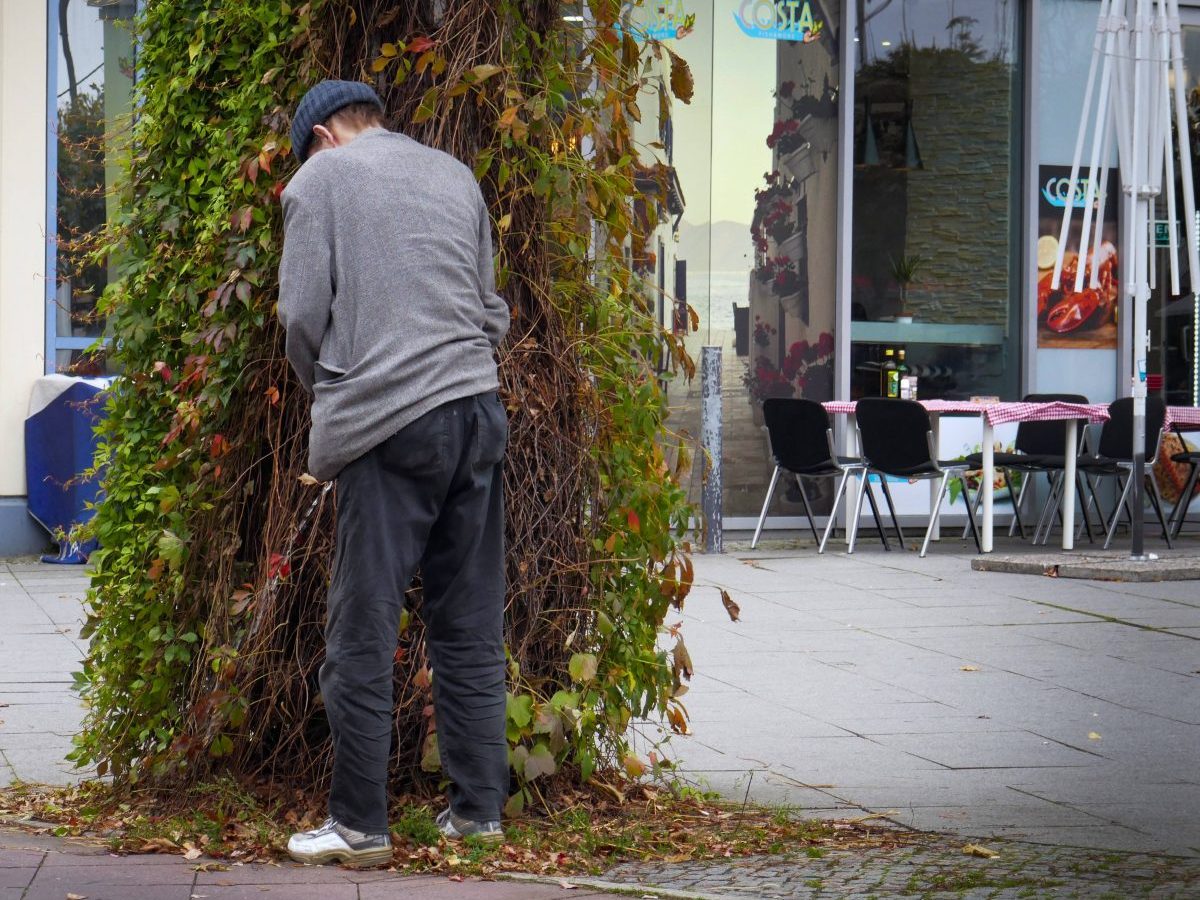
779, 20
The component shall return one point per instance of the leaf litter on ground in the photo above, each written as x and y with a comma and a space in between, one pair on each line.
594, 826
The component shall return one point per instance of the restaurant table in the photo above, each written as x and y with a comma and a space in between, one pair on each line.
1182, 419
991, 415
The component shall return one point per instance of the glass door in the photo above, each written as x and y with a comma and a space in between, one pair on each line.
1172, 363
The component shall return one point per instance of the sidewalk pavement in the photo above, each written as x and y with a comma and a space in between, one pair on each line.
982, 704
33, 867
991, 707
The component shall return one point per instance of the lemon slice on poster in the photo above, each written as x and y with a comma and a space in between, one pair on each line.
1047, 251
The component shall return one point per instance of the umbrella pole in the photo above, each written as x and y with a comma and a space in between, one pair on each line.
1138, 169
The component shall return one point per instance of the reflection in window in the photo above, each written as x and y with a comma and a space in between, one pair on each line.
935, 198
92, 79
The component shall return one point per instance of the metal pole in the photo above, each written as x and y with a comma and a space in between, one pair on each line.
710, 439
1141, 224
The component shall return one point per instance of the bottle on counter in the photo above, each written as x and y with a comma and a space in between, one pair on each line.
902, 379
886, 373
891, 374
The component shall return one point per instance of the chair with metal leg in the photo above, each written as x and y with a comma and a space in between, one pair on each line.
1192, 459
802, 445
897, 439
1114, 459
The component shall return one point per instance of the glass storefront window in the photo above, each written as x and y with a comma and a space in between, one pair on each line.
937, 195
757, 158
91, 78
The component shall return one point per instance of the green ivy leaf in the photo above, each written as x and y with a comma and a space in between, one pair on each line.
520, 710
540, 762
583, 667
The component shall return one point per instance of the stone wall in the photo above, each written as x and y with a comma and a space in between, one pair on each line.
960, 202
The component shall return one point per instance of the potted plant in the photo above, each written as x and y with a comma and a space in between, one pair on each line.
904, 271
786, 280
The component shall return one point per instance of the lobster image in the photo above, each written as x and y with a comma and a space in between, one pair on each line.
1064, 311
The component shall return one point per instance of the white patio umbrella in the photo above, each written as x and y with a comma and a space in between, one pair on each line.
1138, 54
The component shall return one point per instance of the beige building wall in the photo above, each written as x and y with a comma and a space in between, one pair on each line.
22, 225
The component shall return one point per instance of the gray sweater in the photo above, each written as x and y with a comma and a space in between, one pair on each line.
386, 290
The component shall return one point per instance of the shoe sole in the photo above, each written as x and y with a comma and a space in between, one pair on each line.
365, 859
489, 838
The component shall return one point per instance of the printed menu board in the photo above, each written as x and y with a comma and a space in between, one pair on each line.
1085, 319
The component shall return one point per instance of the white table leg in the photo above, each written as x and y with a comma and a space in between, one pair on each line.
852, 450
1068, 496
935, 428
986, 485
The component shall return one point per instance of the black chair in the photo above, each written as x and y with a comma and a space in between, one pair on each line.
1114, 459
1034, 441
897, 440
1179, 513
802, 444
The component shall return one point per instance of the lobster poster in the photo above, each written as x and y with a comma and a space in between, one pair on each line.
1085, 319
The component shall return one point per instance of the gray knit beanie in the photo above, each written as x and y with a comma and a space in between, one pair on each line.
321, 102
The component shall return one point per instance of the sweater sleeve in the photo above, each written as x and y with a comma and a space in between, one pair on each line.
306, 282
496, 314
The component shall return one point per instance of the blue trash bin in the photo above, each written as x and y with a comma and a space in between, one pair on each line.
60, 445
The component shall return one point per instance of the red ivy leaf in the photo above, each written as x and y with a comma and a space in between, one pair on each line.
635, 524
272, 395
420, 44
252, 171
164, 370
278, 566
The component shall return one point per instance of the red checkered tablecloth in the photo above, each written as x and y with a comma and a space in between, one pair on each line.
1185, 417
999, 413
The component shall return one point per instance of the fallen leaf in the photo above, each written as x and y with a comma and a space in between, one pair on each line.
567, 886
193, 853
76, 896
730, 607
211, 867
980, 851
308, 480
970, 668
452, 859
159, 845
1093, 736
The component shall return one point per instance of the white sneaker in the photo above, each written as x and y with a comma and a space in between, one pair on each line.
334, 842
455, 827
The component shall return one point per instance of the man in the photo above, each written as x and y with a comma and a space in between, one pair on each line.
387, 294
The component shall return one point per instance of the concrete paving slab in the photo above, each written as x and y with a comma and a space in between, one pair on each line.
43, 764
91, 856
131, 872
286, 873
11, 877
1095, 566
342, 891
53, 890
988, 750
483, 890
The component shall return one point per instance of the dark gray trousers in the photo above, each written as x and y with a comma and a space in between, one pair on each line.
430, 495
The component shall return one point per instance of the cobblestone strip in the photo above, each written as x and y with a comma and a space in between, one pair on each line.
936, 870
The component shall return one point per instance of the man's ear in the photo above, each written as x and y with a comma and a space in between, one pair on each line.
325, 135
